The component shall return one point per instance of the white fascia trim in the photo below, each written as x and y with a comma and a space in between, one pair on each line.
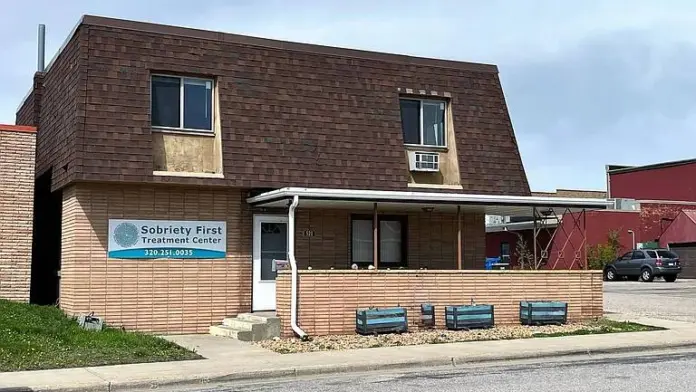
428, 197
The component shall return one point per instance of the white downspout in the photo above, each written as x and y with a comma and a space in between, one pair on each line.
293, 267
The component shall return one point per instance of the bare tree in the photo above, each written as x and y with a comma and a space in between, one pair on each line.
524, 256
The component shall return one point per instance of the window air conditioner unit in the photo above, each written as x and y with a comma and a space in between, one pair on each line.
424, 161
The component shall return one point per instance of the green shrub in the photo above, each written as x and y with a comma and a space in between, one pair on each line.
598, 256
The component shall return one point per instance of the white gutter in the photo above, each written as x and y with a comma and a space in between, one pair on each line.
435, 197
293, 267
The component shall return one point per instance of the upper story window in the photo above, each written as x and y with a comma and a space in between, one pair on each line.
423, 121
182, 103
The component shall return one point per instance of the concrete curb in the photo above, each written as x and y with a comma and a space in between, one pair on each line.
187, 381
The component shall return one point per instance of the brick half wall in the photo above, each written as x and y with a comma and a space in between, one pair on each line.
160, 295
17, 146
328, 299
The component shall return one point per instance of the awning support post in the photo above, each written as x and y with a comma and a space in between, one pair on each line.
584, 237
375, 245
536, 234
459, 237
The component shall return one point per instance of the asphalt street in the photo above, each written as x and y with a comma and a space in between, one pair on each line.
658, 371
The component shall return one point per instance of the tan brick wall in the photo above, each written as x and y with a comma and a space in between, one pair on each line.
187, 296
166, 296
17, 146
328, 299
432, 239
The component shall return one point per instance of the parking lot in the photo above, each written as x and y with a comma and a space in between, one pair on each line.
672, 301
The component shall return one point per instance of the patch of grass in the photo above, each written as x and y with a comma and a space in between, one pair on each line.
42, 337
602, 326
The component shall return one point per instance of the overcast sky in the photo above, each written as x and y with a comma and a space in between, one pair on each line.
587, 82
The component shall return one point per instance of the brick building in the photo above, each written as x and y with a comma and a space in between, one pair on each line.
17, 147
181, 168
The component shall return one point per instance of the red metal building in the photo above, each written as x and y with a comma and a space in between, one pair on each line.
662, 181
680, 236
566, 243
655, 194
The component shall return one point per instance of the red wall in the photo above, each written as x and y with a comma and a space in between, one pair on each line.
493, 241
682, 230
652, 213
598, 224
666, 183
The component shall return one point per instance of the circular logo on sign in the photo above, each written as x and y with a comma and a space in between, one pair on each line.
126, 235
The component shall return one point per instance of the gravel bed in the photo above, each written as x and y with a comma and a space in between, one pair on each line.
347, 342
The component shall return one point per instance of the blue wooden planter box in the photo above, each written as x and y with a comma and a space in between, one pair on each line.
543, 312
385, 320
469, 316
427, 315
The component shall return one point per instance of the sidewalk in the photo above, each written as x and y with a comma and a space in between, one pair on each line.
230, 360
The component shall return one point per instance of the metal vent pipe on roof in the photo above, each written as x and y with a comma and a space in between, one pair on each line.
40, 66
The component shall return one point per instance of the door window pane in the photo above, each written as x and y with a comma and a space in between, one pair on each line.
166, 99
505, 249
198, 104
274, 246
390, 242
434, 123
410, 120
638, 255
362, 248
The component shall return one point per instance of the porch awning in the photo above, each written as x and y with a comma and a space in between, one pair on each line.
435, 201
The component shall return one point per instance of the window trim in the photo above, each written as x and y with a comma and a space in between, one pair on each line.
403, 219
421, 100
181, 128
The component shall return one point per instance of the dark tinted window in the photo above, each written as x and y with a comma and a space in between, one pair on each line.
391, 239
638, 255
166, 100
626, 256
667, 254
410, 120
274, 246
651, 254
504, 249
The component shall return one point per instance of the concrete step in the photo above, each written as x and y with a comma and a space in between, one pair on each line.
258, 317
221, 330
249, 327
242, 325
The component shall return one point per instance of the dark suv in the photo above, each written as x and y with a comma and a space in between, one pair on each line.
645, 264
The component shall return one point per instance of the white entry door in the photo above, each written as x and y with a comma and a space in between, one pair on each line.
270, 243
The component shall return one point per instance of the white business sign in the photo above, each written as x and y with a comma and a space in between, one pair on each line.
165, 239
